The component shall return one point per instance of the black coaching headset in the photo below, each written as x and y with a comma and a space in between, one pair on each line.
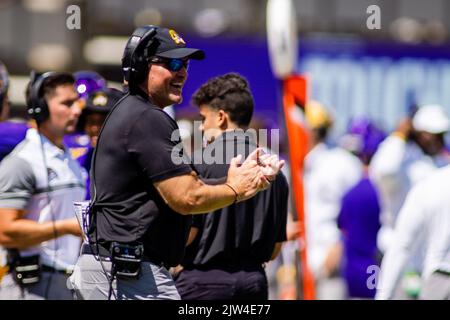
135, 56
36, 104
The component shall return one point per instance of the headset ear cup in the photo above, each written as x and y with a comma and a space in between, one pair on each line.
37, 106
137, 70
39, 110
134, 60
44, 114
141, 69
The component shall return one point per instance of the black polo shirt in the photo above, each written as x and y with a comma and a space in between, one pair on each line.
136, 149
243, 234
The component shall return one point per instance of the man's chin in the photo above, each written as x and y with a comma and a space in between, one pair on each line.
176, 99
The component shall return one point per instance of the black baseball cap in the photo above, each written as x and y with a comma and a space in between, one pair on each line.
167, 43
102, 100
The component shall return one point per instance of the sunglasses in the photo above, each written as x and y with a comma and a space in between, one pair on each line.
171, 64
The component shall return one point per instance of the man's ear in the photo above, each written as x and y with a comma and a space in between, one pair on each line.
222, 119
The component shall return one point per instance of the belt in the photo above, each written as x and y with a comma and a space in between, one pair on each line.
97, 250
101, 251
54, 270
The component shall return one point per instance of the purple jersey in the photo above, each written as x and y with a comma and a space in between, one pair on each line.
359, 222
81, 150
85, 161
11, 134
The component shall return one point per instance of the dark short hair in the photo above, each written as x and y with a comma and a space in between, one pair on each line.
230, 93
50, 84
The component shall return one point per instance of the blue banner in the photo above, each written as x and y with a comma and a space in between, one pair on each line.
381, 80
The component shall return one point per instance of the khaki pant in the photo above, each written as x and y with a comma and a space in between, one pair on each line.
90, 282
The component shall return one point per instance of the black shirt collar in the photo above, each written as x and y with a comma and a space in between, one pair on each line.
229, 137
239, 135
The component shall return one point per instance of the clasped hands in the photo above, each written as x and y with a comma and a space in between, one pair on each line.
254, 174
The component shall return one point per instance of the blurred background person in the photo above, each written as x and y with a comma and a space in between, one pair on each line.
39, 181
328, 174
97, 106
86, 82
423, 223
12, 131
4, 111
4, 86
360, 212
407, 156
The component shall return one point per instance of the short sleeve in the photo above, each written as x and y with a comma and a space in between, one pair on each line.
17, 183
155, 142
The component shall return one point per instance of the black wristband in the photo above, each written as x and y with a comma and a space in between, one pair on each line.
236, 196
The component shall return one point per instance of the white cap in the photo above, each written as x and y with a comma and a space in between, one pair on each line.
431, 118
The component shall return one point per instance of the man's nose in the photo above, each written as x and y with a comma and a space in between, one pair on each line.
183, 71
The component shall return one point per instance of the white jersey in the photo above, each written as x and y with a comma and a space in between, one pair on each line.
423, 222
395, 168
329, 174
46, 189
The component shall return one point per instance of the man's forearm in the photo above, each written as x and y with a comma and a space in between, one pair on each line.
24, 233
187, 194
208, 198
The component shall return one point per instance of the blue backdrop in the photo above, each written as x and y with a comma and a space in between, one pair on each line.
351, 76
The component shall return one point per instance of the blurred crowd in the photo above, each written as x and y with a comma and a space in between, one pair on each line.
362, 240
355, 191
